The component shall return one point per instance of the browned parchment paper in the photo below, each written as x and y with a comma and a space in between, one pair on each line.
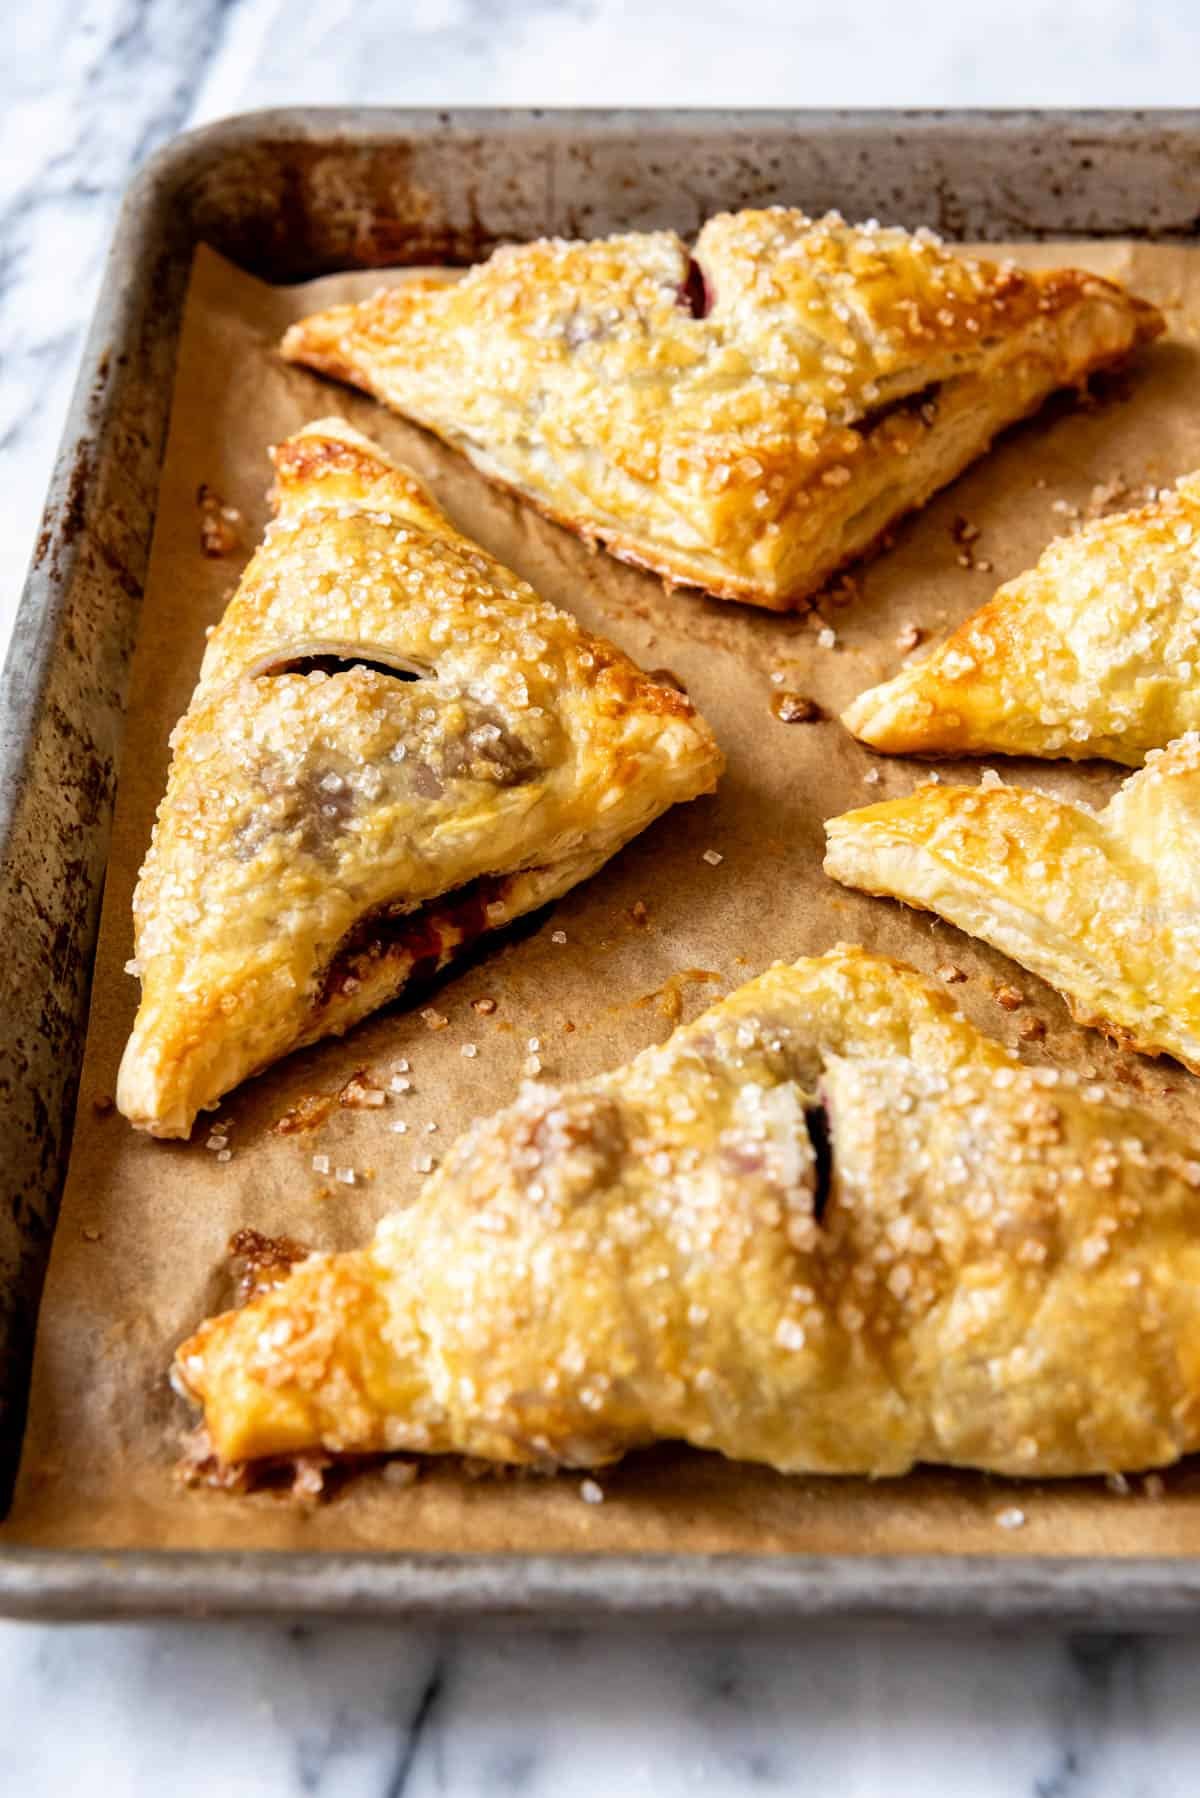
139, 1253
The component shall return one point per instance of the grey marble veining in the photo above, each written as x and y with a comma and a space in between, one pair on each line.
89, 90
340, 1710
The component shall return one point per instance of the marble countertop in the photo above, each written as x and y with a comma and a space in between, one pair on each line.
90, 87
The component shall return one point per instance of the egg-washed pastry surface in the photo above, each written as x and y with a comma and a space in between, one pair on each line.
1095, 652
1102, 905
827, 1226
394, 747
746, 418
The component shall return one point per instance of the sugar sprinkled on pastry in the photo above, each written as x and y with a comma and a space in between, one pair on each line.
747, 418
1100, 905
394, 746
1095, 652
827, 1226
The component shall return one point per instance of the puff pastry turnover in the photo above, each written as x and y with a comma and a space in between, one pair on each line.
394, 746
1100, 905
745, 418
827, 1226
1095, 652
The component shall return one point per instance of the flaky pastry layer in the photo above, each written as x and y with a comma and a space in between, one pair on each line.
394, 746
1095, 652
746, 418
827, 1226
1100, 905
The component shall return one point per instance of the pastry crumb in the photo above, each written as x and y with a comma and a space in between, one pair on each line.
434, 1020
909, 637
219, 524
361, 1094
1033, 1030
485, 1007
950, 973
558, 936
795, 708
1009, 998
102, 1104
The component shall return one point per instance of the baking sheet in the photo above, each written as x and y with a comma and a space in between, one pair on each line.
139, 1251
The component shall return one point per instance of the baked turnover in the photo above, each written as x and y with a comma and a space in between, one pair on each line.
394, 747
1100, 905
1095, 652
827, 1226
745, 418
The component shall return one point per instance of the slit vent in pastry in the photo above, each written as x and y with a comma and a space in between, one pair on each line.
827, 1226
394, 747
745, 419
1095, 652
1100, 905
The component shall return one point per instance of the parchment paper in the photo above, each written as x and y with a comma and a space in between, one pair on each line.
139, 1254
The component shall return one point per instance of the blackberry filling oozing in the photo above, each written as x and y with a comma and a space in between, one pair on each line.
695, 295
816, 1119
426, 937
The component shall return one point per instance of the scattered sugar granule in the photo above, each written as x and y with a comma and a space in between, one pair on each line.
224, 1154
400, 1128
827, 637
400, 1083
424, 1164
558, 936
1011, 1519
712, 857
320, 1164
346, 1175
469, 1050
485, 1007
910, 635
434, 1020
591, 1493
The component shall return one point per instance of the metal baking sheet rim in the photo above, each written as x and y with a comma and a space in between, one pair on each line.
72, 626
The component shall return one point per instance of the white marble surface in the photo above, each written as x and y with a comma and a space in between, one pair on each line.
89, 87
